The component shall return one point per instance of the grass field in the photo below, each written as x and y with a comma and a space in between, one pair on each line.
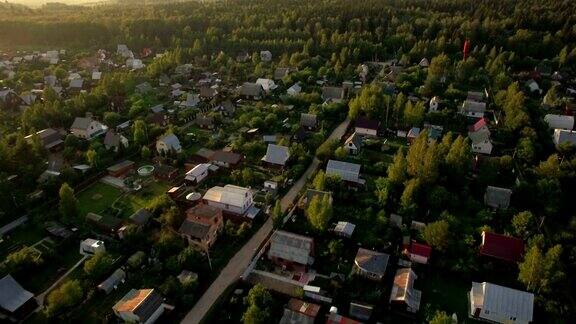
443, 292
97, 198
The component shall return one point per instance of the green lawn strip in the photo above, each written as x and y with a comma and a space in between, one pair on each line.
97, 198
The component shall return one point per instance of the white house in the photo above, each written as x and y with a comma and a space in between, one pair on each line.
91, 247
434, 103
168, 143
140, 306
500, 304
231, 199
479, 135
198, 173
267, 84
559, 121
346, 171
562, 136
294, 89
87, 128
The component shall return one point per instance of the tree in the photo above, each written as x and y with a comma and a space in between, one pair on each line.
258, 302
67, 295
326, 149
145, 153
92, 158
440, 317
68, 203
319, 182
540, 272
24, 259
277, 214
139, 132
172, 218
523, 223
437, 234
397, 170
410, 194
340, 153
383, 189
414, 113
98, 265
319, 212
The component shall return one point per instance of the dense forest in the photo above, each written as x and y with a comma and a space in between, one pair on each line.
329, 39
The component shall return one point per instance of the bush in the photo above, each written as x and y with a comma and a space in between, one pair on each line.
65, 296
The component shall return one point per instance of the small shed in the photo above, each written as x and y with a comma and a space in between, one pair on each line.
113, 281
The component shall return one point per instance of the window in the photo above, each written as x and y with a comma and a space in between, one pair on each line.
486, 312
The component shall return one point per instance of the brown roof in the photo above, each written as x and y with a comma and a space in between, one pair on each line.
132, 300
303, 307
203, 211
227, 157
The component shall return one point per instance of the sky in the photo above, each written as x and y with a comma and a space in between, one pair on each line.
36, 3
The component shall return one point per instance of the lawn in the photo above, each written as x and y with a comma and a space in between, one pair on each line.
97, 198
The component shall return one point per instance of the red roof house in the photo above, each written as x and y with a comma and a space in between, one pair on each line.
478, 125
417, 252
502, 247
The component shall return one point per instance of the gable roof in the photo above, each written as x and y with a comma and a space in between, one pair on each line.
226, 157
229, 194
112, 139
363, 122
502, 247
419, 249
371, 261
498, 197
505, 301
355, 139
12, 295
276, 154
81, 123
280, 72
251, 89
308, 120
171, 141
332, 93
343, 166
559, 121
478, 125
141, 216
291, 247
143, 303
474, 106
403, 288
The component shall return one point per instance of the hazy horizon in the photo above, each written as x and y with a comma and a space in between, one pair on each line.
37, 3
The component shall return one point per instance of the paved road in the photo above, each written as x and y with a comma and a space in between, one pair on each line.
242, 258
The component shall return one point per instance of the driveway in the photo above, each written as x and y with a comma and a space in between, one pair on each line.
243, 258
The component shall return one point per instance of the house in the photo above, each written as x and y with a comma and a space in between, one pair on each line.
204, 121
349, 172
87, 128
498, 304
113, 281
533, 86
294, 89
202, 225
166, 172
424, 63
366, 127
160, 119
281, 72
120, 169
76, 84
473, 109
96, 76
308, 121
498, 198
559, 121
276, 155
50, 138
143, 88
134, 64
197, 173
562, 136
333, 94
370, 264
344, 229
413, 133
265, 56
361, 311
203, 155
251, 91
334, 318
232, 200
477, 96
9, 99
15, 301
434, 104
192, 100
226, 108
269, 139
417, 252
113, 140
502, 247
299, 312
353, 144
28, 99
267, 84
479, 135
226, 159
91, 246
167, 144
106, 224
141, 217
403, 294
291, 250
208, 92
123, 50
140, 306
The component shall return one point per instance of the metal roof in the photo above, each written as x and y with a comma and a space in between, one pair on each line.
503, 300
12, 295
229, 194
277, 154
343, 166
